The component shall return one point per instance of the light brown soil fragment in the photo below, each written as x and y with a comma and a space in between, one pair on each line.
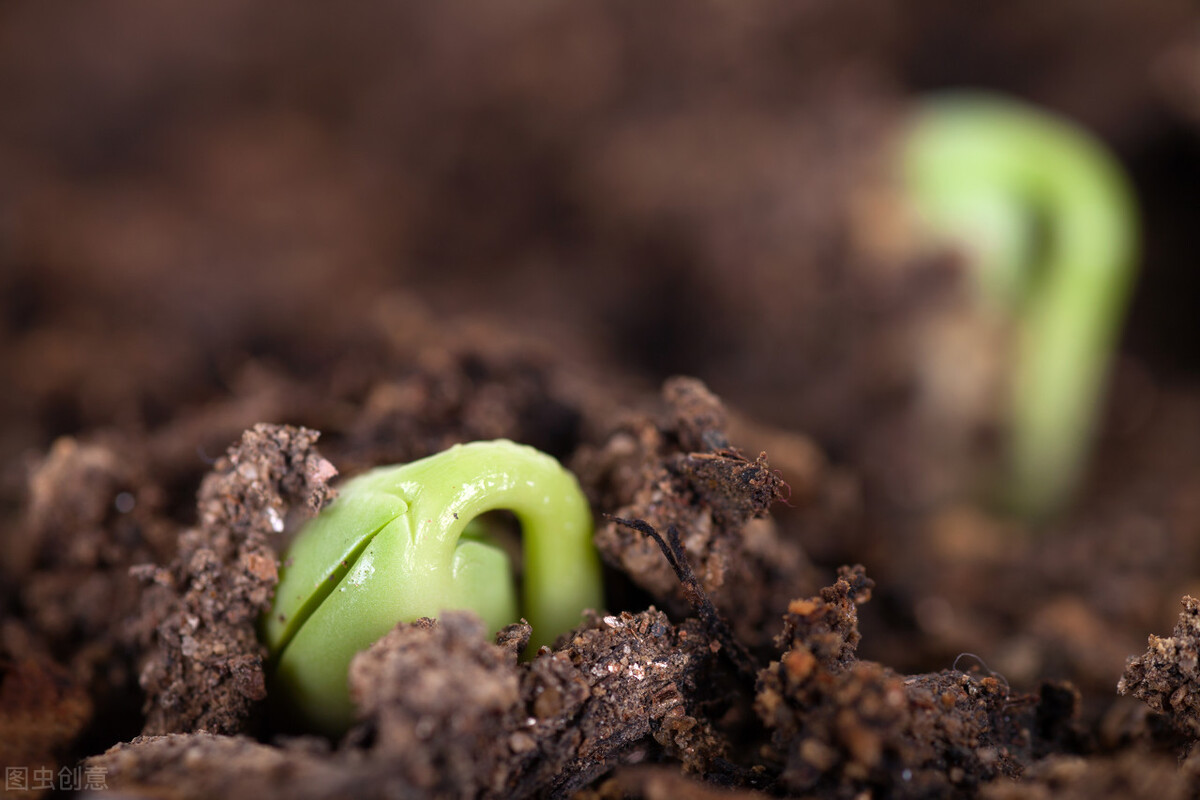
206, 669
1167, 676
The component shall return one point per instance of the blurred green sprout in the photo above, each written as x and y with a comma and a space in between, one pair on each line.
1048, 219
396, 545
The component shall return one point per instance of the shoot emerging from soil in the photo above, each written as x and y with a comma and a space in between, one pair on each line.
395, 546
1047, 218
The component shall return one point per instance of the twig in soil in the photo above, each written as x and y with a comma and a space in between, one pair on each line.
697, 597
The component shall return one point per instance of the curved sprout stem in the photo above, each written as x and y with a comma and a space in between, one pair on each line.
1049, 220
391, 549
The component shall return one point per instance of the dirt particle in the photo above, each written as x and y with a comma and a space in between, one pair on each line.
225, 573
801, 607
548, 703
1167, 676
799, 663
521, 743
261, 567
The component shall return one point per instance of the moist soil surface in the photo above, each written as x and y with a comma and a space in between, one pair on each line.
244, 256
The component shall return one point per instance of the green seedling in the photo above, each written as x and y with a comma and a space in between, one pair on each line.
1048, 218
395, 546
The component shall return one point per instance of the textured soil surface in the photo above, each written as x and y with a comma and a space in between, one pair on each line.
245, 255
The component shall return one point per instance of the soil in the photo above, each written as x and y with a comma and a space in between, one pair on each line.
244, 255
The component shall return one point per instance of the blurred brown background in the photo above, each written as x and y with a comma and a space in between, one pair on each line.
678, 187
201, 205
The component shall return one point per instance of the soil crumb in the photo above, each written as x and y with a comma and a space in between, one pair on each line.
447, 714
90, 514
42, 711
204, 765
205, 671
1131, 774
1167, 676
455, 716
652, 782
677, 469
843, 727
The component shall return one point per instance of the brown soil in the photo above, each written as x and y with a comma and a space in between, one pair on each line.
242, 253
